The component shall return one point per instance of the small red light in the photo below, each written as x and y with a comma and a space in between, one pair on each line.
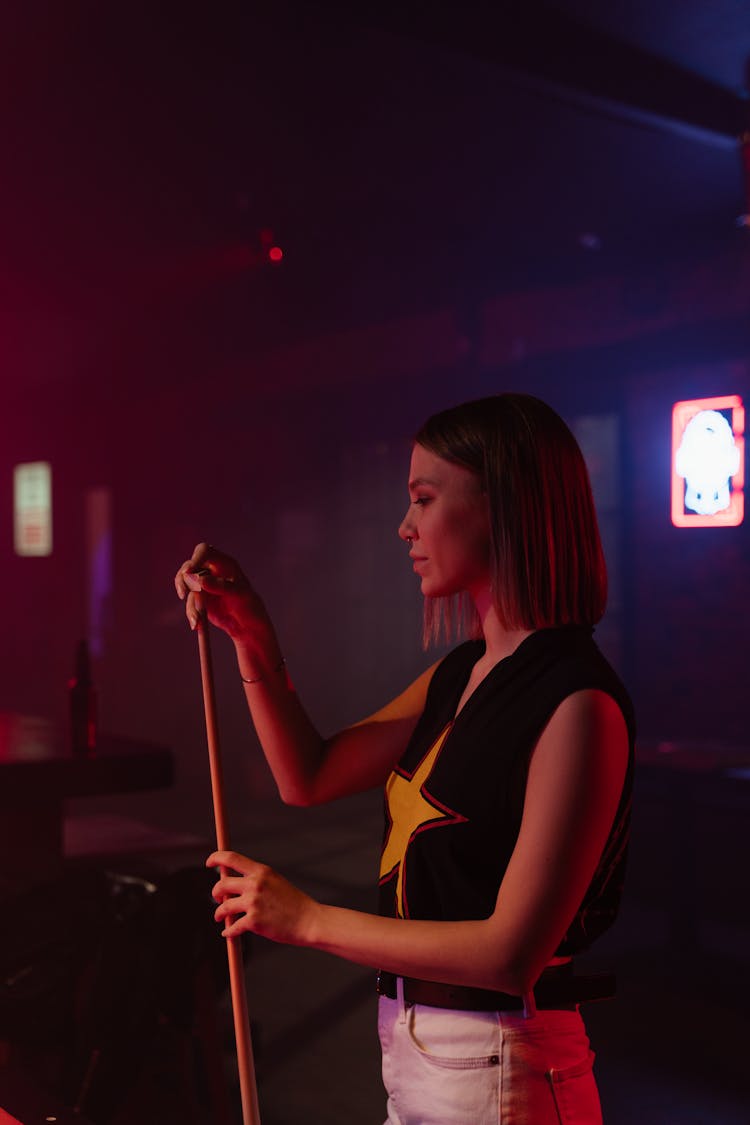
275, 254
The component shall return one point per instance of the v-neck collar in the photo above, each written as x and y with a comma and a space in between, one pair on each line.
491, 674
504, 663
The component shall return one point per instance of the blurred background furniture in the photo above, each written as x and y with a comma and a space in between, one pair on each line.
38, 774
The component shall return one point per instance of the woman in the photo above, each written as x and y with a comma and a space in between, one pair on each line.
508, 772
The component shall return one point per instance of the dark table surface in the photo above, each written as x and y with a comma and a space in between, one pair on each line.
690, 838
36, 762
39, 774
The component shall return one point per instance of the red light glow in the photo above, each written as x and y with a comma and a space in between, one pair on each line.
275, 254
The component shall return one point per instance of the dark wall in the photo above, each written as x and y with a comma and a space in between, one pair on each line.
304, 479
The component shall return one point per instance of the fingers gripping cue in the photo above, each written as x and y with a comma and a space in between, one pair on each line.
245, 1063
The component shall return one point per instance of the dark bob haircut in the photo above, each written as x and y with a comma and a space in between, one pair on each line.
547, 561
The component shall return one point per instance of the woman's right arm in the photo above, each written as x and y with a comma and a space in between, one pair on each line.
308, 769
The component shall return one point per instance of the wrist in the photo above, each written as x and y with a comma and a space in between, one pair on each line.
258, 679
312, 934
258, 662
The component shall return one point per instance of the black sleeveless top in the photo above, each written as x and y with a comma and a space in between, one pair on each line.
454, 802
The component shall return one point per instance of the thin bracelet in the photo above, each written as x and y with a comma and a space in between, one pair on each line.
259, 679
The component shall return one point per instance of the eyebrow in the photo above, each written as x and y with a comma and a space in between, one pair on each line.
423, 480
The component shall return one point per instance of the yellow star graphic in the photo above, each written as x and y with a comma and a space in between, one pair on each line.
411, 810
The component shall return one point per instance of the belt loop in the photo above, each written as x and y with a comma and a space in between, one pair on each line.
400, 998
529, 1005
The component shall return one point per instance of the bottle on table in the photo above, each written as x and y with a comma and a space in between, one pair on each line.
82, 695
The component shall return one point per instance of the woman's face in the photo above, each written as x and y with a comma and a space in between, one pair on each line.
448, 523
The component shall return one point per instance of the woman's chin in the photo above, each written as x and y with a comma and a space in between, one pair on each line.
432, 589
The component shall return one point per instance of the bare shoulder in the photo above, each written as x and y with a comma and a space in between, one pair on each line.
591, 713
583, 751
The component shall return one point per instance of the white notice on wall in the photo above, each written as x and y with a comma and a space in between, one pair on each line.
32, 508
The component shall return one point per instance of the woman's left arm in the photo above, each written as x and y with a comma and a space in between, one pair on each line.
575, 780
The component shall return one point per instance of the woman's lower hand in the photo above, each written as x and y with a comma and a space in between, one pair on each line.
260, 901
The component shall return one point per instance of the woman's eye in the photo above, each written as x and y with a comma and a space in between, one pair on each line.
421, 500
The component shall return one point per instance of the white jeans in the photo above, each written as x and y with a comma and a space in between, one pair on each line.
443, 1067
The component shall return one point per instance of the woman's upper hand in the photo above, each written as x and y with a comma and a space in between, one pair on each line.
260, 901
214, 583
308, 768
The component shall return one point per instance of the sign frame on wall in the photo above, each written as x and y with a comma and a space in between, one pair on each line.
721, 447
32, 509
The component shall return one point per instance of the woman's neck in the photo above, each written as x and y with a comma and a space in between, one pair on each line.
499, 641
499, 644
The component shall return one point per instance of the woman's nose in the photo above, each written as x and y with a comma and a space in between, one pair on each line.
406, 531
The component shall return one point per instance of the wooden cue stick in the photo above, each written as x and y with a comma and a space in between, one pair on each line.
245, 1062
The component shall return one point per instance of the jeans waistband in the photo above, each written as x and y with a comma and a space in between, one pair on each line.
557, 988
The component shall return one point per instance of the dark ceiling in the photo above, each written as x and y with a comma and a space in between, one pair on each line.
403, 156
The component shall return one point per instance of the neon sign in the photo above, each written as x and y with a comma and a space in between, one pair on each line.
708, 462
